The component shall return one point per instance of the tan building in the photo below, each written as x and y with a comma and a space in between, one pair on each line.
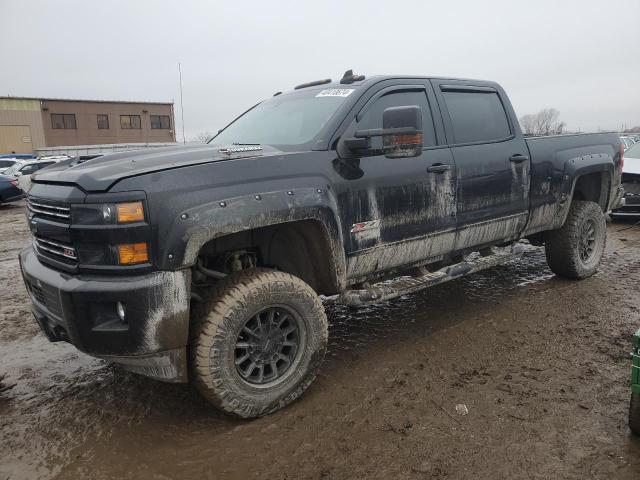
27, 124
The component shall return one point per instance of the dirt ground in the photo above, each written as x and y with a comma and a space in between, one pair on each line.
542, 365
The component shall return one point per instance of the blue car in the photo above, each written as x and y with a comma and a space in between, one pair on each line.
17, 156
9, 191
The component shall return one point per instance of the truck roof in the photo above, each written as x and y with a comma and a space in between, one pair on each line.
366, 81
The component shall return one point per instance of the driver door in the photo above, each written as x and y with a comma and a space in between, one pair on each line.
397, 211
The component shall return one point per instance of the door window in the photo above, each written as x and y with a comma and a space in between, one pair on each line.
44, 165
372, 115
476, 116
29, 169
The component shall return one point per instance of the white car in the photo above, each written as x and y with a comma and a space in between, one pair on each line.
630, 183
5, 163
23, 169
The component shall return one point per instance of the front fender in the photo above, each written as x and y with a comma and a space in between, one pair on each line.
195, 226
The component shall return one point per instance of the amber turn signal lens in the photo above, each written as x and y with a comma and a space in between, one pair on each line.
130, 212
132, 253
414, 139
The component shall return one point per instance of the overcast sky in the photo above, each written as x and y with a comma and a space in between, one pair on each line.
581, 57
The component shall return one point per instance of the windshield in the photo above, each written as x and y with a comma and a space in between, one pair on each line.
285, 120
13, 169
6, 163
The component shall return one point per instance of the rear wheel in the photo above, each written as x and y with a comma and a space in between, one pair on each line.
575, 250
634, 413
258, 342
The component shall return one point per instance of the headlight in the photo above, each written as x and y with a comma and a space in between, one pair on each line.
111, 234
130, 212
107, 213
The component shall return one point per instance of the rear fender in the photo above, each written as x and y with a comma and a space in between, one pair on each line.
575, 168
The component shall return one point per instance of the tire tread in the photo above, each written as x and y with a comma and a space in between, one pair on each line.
209, 326
560, 244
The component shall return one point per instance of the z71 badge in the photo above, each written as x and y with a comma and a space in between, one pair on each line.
364, 226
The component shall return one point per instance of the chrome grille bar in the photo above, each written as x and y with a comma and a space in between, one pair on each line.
66, 209
60, 249
50, 210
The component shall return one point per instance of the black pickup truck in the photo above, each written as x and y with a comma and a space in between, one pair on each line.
206, 262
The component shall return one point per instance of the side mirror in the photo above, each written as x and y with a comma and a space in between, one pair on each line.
18, 174
401, 134
402, 131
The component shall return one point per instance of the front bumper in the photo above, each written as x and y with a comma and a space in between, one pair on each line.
81, 310
628, 206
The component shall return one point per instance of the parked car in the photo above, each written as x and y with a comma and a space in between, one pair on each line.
9, 190
627, 142
23, 169
630, 183
5, 163
206, 262
18, 156
634, 406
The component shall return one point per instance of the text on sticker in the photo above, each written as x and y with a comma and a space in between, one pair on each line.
335, 92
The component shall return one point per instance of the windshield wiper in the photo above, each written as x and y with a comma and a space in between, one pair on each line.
252, 144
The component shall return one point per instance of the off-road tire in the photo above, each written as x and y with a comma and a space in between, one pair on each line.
562, 246
634, 413
217, 321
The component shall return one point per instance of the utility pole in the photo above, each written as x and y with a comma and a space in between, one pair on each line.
181, 103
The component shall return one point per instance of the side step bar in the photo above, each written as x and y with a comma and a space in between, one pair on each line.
390, 289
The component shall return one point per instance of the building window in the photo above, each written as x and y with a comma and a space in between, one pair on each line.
160, 121
128, 122
63, 120
103, 122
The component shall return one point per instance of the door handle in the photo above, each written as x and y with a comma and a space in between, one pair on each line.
517, 158
438, 168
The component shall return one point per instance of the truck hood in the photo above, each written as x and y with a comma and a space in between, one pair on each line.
99, 174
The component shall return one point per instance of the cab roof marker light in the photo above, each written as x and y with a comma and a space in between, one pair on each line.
312, 84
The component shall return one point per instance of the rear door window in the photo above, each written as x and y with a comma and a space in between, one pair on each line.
476, 116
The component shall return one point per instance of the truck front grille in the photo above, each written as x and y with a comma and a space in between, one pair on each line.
48, 209
63, 252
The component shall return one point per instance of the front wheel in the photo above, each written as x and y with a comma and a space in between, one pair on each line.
258, 343
575, 250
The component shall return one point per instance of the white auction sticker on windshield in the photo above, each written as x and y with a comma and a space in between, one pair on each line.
335, 92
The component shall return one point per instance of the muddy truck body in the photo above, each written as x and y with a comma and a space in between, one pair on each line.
205, 263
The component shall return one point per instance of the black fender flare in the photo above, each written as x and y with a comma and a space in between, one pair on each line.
574, 168
198, 225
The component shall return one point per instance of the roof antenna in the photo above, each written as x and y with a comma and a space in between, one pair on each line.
349, 77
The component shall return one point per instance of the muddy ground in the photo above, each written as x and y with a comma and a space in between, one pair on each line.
542, 365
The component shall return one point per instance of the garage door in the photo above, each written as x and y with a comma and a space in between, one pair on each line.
15, 138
